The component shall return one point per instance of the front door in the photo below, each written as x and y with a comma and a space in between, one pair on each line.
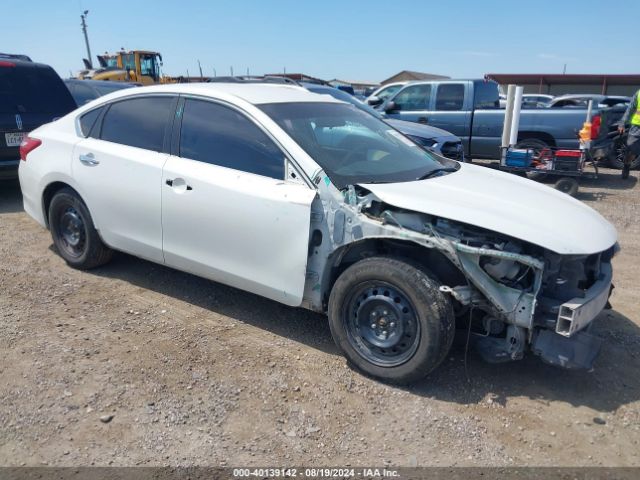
227, 212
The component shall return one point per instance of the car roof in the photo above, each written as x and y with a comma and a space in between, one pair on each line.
254, 93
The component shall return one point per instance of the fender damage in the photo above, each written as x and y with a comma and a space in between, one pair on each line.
513, 295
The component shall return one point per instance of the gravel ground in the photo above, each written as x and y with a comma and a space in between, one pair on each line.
138, 364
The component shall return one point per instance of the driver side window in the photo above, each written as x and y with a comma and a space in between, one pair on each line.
416, 97
213, 133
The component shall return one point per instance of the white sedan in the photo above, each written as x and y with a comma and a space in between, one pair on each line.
259, 187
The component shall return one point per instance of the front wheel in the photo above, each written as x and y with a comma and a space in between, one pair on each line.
390, 319
73, 232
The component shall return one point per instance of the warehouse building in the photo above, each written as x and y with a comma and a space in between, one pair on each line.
561, 84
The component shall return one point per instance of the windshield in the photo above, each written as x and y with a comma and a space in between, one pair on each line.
352, 146
387, 92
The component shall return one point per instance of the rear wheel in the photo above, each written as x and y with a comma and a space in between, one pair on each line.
616, 160
390, 319
73, 232
534, 144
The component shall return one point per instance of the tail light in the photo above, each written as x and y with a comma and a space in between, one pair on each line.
596, 122
7, 64
27, 146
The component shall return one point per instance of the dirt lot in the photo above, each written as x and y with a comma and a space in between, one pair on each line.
196, 373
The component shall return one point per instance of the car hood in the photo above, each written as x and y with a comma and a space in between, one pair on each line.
506, 204
422, 131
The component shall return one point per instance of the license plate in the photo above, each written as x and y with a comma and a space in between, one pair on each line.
14, 139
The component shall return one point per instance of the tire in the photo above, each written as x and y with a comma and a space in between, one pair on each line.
616, 160
73, 232
534, 144
395, 297
567, 185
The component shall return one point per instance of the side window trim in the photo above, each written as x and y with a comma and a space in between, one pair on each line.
177, 129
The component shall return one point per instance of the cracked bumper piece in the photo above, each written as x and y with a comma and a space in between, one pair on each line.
577, 352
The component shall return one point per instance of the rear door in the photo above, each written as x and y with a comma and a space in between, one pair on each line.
119, 168
227, 212
30, 96
451, 110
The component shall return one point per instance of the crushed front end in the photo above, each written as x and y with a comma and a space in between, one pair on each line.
546, 301
511, 296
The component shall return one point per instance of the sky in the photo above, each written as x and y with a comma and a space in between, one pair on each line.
357, 40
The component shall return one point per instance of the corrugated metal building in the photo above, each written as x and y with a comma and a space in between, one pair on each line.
560, 84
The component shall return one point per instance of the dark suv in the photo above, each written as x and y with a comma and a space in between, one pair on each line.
31, 94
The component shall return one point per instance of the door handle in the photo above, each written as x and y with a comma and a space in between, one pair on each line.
89, 160
178, 184
423, 120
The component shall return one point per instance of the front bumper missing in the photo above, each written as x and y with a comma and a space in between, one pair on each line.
577, 313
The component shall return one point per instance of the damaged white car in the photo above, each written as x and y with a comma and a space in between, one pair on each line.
311, 202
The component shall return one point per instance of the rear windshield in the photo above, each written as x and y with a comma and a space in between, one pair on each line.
33, 89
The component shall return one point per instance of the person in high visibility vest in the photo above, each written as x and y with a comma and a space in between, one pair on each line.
632, 118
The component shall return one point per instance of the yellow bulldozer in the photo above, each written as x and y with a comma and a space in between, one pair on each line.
140, 66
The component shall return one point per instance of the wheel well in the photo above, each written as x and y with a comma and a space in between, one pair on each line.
545, 137
429, 259
48, 194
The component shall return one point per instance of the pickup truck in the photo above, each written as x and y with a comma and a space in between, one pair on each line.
471, 110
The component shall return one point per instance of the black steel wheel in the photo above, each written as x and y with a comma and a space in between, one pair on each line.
381, 324
73, 232
390, 319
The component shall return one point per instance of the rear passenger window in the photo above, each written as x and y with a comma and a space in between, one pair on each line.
219, 135
450, 97
138, 122
88, 120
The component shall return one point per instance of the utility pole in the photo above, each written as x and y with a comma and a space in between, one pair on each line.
231, 70
215, 74
86, 37
564, 70
200, 67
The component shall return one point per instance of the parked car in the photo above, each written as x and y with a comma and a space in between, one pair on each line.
434, 139
83, 91
582, 101
471, 110
529, 100
536, 100
31, 94
378, 97
246, 185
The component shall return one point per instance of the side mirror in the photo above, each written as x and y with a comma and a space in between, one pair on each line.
390, 107
374, 101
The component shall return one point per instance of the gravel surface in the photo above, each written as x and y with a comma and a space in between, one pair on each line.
138, 364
